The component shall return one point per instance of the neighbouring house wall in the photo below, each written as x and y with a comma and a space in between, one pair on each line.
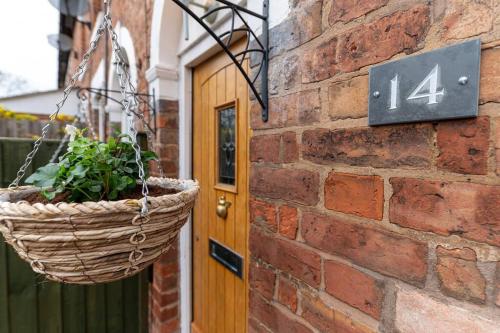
165, 313
364, 229
41, 103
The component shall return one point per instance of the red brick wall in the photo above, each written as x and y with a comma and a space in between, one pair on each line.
359, 229
164, 302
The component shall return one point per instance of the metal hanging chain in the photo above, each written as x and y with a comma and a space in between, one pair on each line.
66, 137
79, 72
81, 117
85, 112
131, 88
129, 101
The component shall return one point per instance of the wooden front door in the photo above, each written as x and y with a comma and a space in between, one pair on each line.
220, 164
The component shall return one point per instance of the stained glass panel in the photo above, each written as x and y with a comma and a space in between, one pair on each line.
227, 145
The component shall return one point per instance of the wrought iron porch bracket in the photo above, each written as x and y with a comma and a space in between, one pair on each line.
261, 46
147, 100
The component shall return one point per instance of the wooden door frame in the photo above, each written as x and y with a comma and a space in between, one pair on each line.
187, 61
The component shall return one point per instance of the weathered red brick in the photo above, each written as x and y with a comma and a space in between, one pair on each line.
265, 148
300, 186
163, 270
459, 275
327, 319
262, 279
447, 208
287, 256
490, 76
168, 115
299, 108
169, 326
287, 294
348, 99
290, 150
497, 144
354, 287
282, 38
165, 313
379, 250
497, 285
288, 222
308, 19
355, 194
390, 147
171, 256
467, 18
290, 74
347, 10
164, 298
273, 318
274, 148
377, 41
318, 313
419, 313
300, 27
320, 63
170, 168
254, 326
463, 145
263, 214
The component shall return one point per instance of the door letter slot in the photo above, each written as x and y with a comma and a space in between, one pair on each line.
229, 259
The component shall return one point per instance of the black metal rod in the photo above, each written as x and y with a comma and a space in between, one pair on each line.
243, 9
265, 67
250, 30
228, 52
222, 35
207, 14
104, 93
154, 111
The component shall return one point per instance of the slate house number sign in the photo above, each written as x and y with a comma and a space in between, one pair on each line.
437, 85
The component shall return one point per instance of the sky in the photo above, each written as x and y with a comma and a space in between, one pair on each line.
24, 50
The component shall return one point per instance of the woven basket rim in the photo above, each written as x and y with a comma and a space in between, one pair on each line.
187, 187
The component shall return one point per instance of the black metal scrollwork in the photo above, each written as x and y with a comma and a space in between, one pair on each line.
261, 45
146, 101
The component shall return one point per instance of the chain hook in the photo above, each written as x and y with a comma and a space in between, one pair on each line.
107, 5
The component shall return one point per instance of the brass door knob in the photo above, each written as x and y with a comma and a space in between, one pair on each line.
222, 206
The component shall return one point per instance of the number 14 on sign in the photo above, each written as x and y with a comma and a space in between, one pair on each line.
427, 89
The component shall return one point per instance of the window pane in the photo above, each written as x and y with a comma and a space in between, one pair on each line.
227, 146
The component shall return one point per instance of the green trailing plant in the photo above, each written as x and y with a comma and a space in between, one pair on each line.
91, 170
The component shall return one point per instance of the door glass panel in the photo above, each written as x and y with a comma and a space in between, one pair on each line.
227, 145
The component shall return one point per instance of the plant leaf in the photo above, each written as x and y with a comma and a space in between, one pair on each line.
44, 176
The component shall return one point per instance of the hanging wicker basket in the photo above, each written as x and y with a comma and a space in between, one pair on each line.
94, 242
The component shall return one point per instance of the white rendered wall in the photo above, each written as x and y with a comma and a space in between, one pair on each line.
42, 103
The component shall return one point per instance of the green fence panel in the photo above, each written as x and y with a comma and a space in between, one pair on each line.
74, 309
4, 289
13, 155
29, 303
23, 296
50, 310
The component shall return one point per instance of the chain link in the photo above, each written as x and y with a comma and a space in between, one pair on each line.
129, 102
85, 112
80, 117
80, 71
